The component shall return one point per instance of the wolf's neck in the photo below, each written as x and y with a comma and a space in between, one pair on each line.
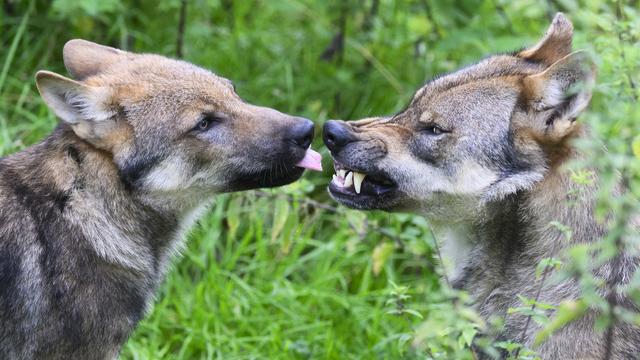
456, 243
523, 228
121, 228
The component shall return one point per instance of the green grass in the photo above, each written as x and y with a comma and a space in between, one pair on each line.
259, 283
286, 273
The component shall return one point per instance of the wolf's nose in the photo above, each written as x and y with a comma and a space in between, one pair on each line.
336, 135
301, 134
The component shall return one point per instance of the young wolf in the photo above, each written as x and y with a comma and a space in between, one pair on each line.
479, 152
91, 216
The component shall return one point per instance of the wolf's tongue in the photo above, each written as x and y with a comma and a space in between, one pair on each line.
312, 160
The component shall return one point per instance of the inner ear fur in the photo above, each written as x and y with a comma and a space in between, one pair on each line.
73, 101
89, 110
556, 96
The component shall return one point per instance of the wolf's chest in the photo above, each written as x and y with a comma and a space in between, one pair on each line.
456, 243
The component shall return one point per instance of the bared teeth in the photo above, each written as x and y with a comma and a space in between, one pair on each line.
348, 180
357, 181
338, 181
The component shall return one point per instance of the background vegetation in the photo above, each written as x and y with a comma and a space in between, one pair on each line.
286, 273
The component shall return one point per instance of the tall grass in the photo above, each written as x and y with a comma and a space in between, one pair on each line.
287, 273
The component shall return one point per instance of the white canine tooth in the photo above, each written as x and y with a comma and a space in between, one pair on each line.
342, 173
348, 180
357, 181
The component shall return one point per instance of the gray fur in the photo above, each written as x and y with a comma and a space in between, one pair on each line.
480, 153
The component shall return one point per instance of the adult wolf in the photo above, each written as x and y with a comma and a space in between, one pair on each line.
91, 216
479, 152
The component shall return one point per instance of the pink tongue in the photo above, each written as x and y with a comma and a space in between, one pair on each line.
312, 160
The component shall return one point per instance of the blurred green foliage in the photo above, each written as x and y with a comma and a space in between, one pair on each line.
287, 273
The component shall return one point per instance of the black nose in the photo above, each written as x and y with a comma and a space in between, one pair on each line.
301, 134
336, 135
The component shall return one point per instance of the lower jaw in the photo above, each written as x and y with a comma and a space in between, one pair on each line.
265, 180
362, 201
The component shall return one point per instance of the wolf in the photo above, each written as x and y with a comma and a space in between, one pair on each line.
479, 153
91, 217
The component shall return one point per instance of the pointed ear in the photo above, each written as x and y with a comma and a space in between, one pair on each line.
558, 95
83, 58
555, 44
72, 101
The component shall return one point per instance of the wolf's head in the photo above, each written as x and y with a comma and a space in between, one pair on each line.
472, 136
172, 127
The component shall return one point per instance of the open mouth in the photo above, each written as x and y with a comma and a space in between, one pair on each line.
358, 184
278, 174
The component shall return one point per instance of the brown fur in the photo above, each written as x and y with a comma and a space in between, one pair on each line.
91, 217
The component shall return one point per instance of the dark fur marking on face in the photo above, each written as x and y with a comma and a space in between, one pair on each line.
200, 162
505, 155
426, 155
136, 168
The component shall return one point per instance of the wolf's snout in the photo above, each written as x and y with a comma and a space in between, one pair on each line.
336, 135
301, 134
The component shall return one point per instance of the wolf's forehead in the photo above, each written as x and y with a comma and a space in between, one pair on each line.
157, 69
151, 76
493, 67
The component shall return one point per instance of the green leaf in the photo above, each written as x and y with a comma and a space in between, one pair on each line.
413, 312
565, 230
381, 254
568, 311
508, 345
468, 334
547, 264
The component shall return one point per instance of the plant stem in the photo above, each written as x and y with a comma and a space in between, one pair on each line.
181, 25
533, 307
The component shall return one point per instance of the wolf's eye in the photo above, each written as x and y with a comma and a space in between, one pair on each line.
204, 124
433, 130
207, 122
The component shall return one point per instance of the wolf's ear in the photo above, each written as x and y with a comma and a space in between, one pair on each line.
83, 58
71, 100
553, 99
555, 44
87, 109
556, 96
